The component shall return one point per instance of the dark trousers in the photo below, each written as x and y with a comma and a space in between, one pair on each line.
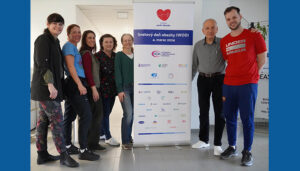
50, 113
108, 104
208, 86
76, 104
240, 98
97, 116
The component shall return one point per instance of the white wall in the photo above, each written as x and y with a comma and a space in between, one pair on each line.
254, 10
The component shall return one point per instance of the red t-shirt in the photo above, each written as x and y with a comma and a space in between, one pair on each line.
241, 55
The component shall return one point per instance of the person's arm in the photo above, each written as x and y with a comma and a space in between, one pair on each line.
71, 68
42, 55
87, 66
261, 60
195, 63
118, 77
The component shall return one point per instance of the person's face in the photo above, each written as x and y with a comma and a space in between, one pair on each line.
75, 35
55, 28
127, 41
210, 29
108, 44
233, 19
90, 40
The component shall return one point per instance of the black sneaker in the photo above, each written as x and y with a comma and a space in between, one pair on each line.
247, 159
228, 153
66, 159
73, 150
44, 157
88, 155
97, 147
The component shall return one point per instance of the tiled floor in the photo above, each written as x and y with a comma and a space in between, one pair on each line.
163, 158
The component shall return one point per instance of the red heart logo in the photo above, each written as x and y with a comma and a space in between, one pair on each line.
163, 14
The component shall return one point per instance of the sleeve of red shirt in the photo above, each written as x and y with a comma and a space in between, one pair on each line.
87, 66
260, 44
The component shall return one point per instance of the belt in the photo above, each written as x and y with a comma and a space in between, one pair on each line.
210, 75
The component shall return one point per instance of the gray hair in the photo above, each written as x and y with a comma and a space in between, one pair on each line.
210, 19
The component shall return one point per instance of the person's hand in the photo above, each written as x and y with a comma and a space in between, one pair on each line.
52, 91
95, 94
121, 96
82, 89
254, 30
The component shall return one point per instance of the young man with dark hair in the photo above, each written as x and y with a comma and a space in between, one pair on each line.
245, 53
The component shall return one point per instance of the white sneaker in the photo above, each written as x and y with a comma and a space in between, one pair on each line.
217, 150
200, 144
102, 137
112, 142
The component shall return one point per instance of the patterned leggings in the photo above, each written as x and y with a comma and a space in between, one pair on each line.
50, 113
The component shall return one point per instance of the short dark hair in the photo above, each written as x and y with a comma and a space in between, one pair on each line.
107, 36
227, 10
84, 45
70, 28
54, 17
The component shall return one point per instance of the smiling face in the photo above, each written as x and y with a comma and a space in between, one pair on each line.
233, 19
127, 41
55, 28
75, 35
210, 29
90, 40
108, 44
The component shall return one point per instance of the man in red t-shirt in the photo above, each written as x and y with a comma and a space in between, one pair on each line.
245, 53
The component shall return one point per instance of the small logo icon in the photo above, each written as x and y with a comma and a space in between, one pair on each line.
171, 75
141, 122
163, 14
154, 75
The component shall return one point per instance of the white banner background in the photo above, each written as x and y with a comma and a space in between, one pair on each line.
162, 74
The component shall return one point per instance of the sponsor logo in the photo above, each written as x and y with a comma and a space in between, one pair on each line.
144, 65
157, 54
172, 126
141, 104
171, 76
162, 110
169, 121
162, 97
183, 115
163, 14
183, 91
153, 104
154, 122
144, 92
158, 92
148, 110
182, 65
166, 104
183, 121
141, 116
155, 115
162, 65
149, 98
141, 122
176, 97
170, 92
175, 109
154, 75
181, 103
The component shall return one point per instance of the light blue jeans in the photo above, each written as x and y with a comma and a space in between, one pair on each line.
127, 120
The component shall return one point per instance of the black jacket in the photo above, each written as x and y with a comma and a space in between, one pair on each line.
47, 56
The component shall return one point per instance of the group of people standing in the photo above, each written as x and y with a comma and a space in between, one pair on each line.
93, 80
235, 90
88, 81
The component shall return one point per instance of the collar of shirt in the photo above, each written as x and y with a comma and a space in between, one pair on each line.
214, 42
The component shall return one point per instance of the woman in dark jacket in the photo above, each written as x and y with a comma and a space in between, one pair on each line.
47, 88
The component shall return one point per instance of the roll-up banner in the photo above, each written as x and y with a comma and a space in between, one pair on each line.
163, 43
